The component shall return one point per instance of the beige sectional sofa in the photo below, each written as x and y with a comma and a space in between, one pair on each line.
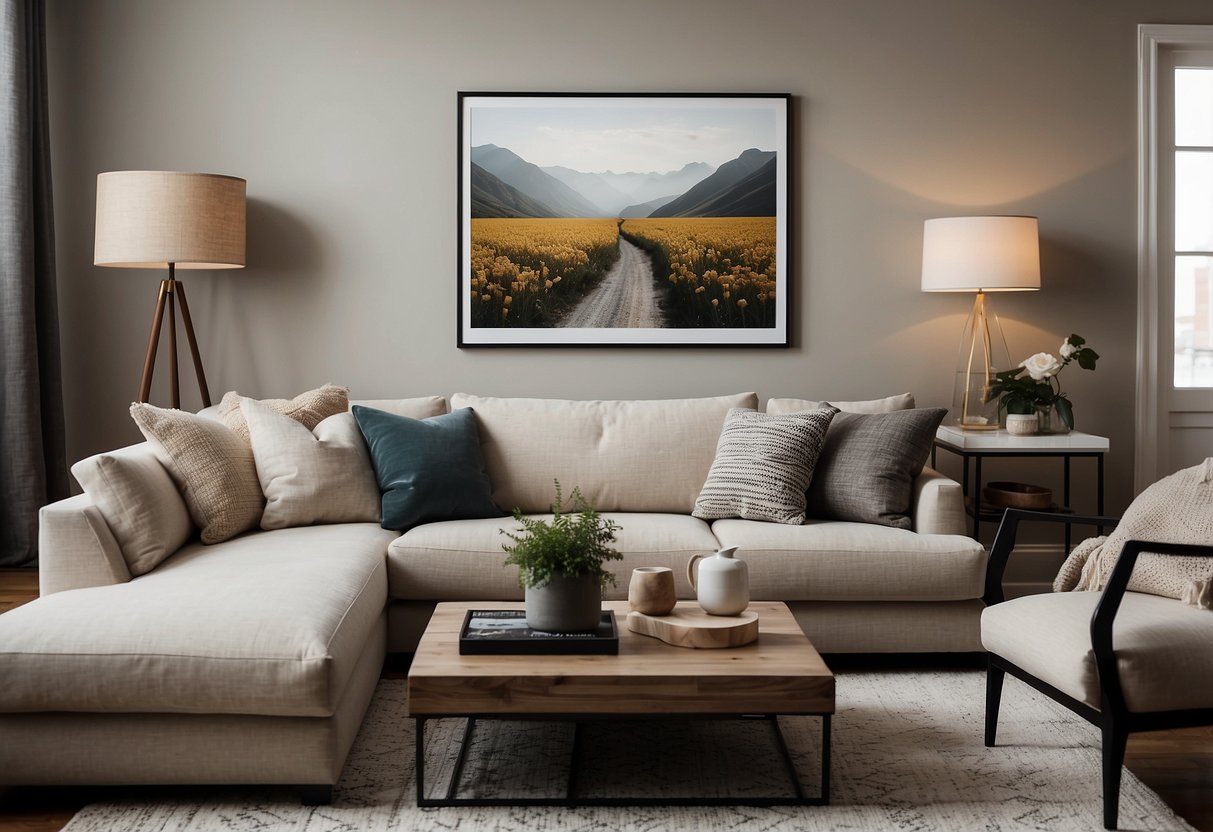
253, 660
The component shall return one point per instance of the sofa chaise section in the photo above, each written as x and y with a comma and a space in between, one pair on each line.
252, 661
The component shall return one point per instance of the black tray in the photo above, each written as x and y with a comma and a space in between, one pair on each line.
513, 637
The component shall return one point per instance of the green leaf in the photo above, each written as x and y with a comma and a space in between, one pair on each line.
1066, 411
1086, 358
1077, 340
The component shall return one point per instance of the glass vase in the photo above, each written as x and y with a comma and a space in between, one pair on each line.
1048, 420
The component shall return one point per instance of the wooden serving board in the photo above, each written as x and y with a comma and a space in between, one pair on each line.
692, 627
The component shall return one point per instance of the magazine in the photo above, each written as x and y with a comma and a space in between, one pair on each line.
506, 631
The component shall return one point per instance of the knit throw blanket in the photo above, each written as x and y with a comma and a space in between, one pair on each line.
1176, 509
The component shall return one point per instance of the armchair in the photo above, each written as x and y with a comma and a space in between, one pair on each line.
1124, 661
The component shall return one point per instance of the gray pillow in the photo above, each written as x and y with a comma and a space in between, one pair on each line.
867, 467
763, 466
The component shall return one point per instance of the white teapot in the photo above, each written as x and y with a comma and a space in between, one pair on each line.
723, 586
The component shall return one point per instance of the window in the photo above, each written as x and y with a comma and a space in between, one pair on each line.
1193, 220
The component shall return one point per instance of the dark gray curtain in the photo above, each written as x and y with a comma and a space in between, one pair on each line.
33, 463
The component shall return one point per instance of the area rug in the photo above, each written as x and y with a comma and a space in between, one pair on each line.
907, 754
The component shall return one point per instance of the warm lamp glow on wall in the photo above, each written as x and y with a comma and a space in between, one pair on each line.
150, 219
980, 254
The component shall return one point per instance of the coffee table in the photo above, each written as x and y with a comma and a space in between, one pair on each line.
781, 674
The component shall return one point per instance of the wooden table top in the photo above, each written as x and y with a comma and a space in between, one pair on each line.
781, 673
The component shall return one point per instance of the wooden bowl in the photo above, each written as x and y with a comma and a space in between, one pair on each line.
1017, 495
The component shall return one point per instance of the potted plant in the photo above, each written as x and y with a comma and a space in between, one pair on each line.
560, 564
1039, 391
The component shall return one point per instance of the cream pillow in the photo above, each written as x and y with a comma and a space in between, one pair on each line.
307, 477
780, 407
212, 467
309, 409
140, 504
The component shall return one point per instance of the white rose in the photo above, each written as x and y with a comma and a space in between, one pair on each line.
1041, 366
1067, 349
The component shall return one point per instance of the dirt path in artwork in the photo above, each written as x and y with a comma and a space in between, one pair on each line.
626, 297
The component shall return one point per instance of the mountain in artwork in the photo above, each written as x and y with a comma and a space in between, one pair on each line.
743, 187
492, 198
532, 182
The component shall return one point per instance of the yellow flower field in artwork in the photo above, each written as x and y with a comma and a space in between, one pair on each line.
525, 271
721, 270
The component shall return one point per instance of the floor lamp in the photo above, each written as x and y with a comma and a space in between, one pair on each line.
149, 219
980, 254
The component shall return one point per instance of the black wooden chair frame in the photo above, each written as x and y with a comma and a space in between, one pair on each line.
1113, 717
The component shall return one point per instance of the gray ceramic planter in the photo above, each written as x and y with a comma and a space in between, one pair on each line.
565, 605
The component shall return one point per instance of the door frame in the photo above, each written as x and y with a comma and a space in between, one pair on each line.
1152, 41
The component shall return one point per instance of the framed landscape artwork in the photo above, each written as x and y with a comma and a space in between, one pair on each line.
613, 219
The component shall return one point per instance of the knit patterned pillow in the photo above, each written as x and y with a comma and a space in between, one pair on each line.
763, 466
211, 466
309, 409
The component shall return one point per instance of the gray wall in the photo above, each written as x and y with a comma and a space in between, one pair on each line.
342, 118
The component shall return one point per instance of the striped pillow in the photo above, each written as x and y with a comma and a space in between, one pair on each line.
763, 466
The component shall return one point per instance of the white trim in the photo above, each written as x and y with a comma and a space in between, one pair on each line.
1151, 40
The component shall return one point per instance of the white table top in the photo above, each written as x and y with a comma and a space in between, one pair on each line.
999, 441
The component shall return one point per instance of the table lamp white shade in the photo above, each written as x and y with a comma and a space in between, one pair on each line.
980, 254
147, 219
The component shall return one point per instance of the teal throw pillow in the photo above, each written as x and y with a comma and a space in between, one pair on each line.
428, 469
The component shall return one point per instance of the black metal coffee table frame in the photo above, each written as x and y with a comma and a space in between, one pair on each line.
798, 798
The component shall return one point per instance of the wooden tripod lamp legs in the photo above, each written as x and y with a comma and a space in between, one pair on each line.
169, 289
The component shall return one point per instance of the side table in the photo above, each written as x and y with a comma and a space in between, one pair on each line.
976, 445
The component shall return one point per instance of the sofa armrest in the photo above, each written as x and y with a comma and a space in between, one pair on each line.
76, 548
938, 505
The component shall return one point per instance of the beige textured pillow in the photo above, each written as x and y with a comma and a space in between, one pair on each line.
212, 466
140, 504
308, 477
780, 407
309, 409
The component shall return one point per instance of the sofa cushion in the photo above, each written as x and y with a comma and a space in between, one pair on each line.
1161, 646
419, 407
463, 560
763, 466
841, 561
623, 455
311, 476
139, 501
867, 467
427, 469
309, 408
211, 465
270, 623
905, 401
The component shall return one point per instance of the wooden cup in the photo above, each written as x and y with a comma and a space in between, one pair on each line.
651, 590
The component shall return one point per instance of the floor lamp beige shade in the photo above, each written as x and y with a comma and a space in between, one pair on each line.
150, 219
980, 254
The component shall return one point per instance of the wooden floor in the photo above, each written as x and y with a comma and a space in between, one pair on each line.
1176, 764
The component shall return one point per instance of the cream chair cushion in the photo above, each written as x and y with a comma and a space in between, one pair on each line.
1162, 647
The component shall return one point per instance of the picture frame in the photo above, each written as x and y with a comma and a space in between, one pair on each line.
624, 219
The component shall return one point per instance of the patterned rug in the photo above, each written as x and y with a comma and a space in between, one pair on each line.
907, 754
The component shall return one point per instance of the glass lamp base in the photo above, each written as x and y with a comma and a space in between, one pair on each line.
983, 351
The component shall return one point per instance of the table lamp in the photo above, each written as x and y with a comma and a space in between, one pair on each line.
150, 219
980, 254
